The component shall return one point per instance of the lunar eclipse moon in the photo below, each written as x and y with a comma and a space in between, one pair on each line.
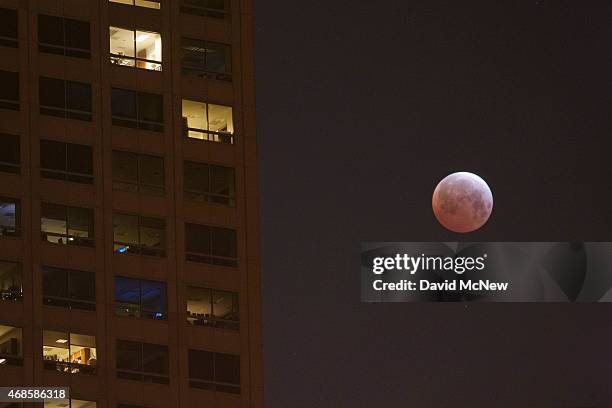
462, 202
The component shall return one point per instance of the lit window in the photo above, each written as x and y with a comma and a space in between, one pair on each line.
10, 281
207, 182
10, 153
66, 161
207, 121
9, 28
138, 173
212, 245
139, 110
10, 217
142, 361
208, 8
64, 36
69, 352
67, 225
11, 346
70, 403
154, 4
140, 298
213, 308
132, 48
134, 234
69, 288
214, 371
206, 59
9, 90
65, 99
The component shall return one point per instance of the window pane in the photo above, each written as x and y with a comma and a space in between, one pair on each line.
197, 238
78, 96
53, 156
10, 342
218, 58
55, 282
193, 56
222, 182
52, 92
80, 225
152, 234
150, 108
148, 50
80, 160
224, 242
125, 229
227, 368
152, 172
9, 23
122, 45
50, 30
225, 305
154, 299
82, 286
194, 114
9, 86
53, 223
197, 177
127, 297
10, 216
220, 118
130, 2
10, 153
201, 365
123, 104
129, 355
83, 349
77, 34
56, 346
155, 358
125, 171
154, 4
10, 281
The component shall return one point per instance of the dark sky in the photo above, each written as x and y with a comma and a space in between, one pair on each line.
363, 106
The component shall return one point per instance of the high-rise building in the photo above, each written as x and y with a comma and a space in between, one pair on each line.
129, 246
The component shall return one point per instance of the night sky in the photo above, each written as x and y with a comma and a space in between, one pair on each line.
363, 106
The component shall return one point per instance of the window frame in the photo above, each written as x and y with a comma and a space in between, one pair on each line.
116, 59
68, 302
142, 374
212, 320
65, 112
214, 384
141, 187
140, 249
88, 241
209, 196
82, 178
66, 367
210, 258
50, 48
136, 122
7, 230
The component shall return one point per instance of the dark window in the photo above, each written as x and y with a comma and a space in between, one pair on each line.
137, 110
140, 298
11, 288
69, 353
214, 371
208, 8
138, 173
206, 59
10, 217
66, 99
11, 346
207, 182
213, 245
67, 225
64, 36
10, 153
135, 234
69, 288
9, 28
213, 308
66, 161
142, 361
9, 90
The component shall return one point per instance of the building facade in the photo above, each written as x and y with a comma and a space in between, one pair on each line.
129, 246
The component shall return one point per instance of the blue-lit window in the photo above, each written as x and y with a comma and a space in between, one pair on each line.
140, 298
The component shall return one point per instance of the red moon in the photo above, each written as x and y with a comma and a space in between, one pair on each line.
462, 202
